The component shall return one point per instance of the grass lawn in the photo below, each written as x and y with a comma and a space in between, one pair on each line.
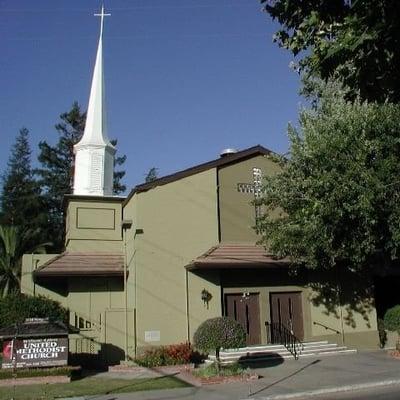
88, 386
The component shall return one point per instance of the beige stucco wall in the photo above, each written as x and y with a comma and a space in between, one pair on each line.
173, 224
237, 214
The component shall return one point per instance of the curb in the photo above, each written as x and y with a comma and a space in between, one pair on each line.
332, 390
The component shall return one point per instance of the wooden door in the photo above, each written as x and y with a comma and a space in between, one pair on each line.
286, 309
246, 311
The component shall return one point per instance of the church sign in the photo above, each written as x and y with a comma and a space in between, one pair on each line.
26, 353
37, 342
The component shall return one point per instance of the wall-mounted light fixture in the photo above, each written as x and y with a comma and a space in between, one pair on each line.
206, 296
245, 296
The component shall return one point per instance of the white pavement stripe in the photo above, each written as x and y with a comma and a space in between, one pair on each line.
320, 392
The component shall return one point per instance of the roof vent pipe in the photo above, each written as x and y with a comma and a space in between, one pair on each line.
227, 152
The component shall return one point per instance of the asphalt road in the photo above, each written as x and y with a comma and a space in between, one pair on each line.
383, 393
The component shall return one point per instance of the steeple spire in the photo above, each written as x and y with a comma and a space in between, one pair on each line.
94, 154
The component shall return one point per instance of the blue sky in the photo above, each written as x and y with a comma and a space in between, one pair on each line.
184, 78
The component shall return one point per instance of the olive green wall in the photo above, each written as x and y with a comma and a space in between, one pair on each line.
31, 262
173, 224
94, 225
352, 315
198, 310
97, 303
237, 214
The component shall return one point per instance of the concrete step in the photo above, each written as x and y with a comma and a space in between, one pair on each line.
321, 342
269, 352
247, 349
328, 353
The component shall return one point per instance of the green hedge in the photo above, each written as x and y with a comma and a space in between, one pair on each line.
36, 372
16, 307
392, 319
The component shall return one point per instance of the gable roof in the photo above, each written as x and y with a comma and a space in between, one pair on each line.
82, 264
39, 328
237, 255
219, 162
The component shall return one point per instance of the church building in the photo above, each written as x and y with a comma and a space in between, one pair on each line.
148, 268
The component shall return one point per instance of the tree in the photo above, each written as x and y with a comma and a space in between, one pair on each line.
56, 173
336, 201
20, 201
14, 243
355, 40
220, 332
151, 175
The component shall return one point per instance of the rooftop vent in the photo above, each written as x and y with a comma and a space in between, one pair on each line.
227, 152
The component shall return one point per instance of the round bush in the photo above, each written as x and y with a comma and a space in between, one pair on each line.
16, 307
392, 319
220, 332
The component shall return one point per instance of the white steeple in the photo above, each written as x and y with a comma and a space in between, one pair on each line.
94, 154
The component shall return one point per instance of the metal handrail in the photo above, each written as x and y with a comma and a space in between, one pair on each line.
280, 334
326, 327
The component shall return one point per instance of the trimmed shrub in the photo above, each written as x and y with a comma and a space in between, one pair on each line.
212, 370
392, 319
16, 307
217, 333
72, 372
167, 355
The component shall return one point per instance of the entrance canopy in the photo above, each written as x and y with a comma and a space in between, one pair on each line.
82, 264
228, 256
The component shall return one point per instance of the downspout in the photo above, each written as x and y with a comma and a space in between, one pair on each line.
187, 305
126, 224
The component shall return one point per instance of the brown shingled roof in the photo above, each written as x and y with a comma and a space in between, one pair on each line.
227, 256
83, 264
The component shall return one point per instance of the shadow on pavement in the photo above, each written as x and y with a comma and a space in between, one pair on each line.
285, 378
261, 360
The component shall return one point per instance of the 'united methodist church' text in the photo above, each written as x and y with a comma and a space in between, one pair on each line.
40, 349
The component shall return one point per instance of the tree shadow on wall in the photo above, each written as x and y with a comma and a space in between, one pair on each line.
341, 291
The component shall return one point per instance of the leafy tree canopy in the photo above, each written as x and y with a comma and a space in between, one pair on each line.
20, 201
337, 197
14, 243
151, 175
357, 41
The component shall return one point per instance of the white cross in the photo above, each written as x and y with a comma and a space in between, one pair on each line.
102, 15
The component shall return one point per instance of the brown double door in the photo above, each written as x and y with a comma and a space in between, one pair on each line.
245, 309
286, 309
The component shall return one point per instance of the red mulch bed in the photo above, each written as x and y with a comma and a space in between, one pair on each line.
394, 354
188, 376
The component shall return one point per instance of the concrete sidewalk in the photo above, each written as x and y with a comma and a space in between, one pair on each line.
291, 379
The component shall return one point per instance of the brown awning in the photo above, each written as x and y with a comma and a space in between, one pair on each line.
226, 256
83, 264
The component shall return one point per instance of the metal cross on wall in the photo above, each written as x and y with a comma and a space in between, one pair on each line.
254, 188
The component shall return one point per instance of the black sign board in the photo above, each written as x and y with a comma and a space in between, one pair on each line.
26, 353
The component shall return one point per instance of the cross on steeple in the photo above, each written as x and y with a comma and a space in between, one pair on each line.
102, 15
94, 154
